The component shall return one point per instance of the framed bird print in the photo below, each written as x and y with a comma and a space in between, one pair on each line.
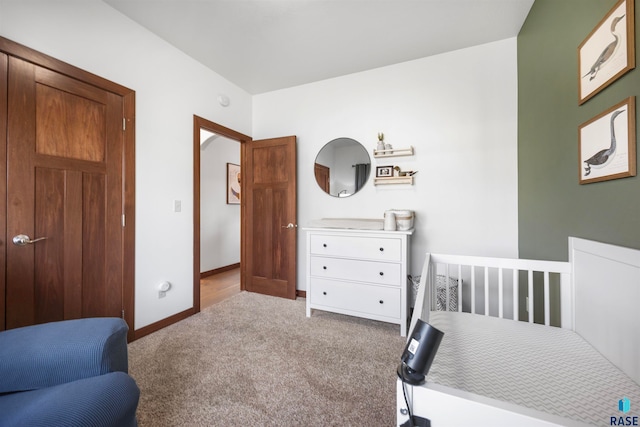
607, 144
608, 52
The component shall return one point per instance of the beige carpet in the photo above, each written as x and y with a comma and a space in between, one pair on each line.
255, 360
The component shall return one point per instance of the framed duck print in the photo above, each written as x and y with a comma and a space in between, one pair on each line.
608, 52
607, 144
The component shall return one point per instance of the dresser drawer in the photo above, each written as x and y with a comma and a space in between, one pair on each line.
375, 248
362, 271
356, 297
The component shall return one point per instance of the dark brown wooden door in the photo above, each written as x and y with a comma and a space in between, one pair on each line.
4, 64
64, 184
270, 189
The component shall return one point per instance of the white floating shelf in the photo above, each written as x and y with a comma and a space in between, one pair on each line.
393, 152
393, 180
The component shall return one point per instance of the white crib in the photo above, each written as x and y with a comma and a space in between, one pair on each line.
500, 277
574, 353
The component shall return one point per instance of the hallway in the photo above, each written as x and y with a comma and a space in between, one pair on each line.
218, 287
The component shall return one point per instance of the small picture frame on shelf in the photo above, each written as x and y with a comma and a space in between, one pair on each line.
384, 171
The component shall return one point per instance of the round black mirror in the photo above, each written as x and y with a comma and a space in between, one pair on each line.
342, 167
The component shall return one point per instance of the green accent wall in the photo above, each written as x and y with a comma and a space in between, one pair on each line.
552, 205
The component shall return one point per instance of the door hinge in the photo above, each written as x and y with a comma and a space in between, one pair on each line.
124, 123
123, 314
123, 221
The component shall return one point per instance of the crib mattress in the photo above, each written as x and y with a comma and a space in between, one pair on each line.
548, 369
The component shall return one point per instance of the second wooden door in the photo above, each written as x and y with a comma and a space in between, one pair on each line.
270, 191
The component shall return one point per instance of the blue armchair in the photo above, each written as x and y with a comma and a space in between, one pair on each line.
69, 373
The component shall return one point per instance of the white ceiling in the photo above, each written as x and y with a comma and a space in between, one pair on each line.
266, 45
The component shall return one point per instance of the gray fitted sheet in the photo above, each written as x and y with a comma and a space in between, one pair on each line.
549, 369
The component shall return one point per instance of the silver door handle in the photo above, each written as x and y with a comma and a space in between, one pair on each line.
23, 240
290, 225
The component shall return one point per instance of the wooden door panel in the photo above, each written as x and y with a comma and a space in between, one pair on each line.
262, 233
272, 160
114, 208
72, 248
281, 239
71, 117
70, 213
82, 135
276, 288
270, 239
20, 305
4, 64
48, 291
93, 244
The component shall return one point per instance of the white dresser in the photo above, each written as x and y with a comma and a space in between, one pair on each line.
361, 273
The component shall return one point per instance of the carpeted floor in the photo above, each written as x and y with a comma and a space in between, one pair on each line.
255, 360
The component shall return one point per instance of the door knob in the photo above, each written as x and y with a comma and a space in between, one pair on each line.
290, 225
23, 240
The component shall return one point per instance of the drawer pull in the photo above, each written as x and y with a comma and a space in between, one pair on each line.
324, 293
324, 245
324, 267
381, 249
382, 273
381, 302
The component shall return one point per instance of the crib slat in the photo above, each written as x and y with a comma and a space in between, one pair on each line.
566, 301
500, 291
547, 305
446, 287
516, 306
435, 291
459, 288
530, 308
456, 267
432, 280
473, 289
486, 291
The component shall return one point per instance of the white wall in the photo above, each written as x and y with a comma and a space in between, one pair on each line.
170, 88
219, 222
459, 111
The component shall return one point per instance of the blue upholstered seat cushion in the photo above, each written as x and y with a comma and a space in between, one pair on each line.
106, 400
54, 353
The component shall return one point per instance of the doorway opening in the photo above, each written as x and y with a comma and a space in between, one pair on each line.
219, 285
218, 212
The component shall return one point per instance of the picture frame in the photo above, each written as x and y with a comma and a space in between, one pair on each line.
607, 144
233, 184
384, 171
608, 52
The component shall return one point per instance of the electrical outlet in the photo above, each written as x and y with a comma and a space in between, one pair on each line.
163, 288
